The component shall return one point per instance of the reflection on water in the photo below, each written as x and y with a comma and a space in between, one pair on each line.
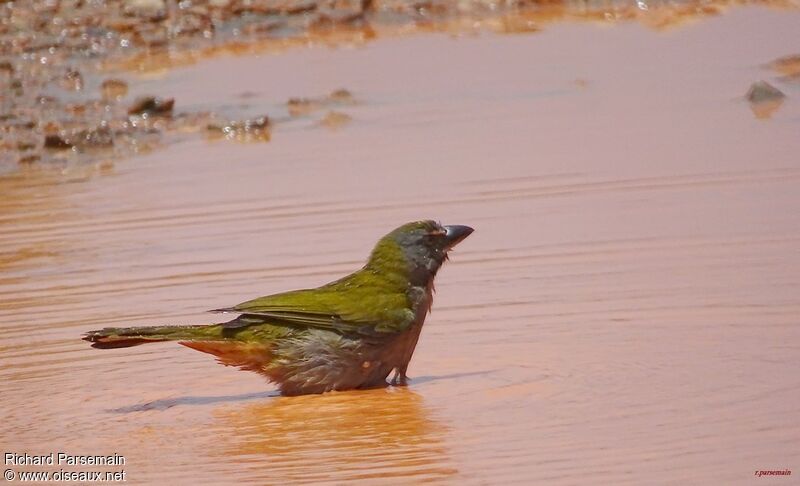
765, 109
376, 434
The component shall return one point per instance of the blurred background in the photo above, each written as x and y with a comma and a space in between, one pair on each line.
626, 312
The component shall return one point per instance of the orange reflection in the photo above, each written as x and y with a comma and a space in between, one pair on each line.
765, 109
337, 436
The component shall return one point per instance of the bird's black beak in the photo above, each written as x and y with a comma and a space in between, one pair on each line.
456, 233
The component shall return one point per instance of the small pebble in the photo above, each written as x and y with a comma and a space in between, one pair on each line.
113, 89
152, 106
762, 91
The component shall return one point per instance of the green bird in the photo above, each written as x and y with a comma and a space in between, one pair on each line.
348, 334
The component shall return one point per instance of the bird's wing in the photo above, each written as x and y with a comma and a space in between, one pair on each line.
355, 311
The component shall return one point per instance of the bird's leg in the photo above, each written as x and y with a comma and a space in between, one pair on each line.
400, 378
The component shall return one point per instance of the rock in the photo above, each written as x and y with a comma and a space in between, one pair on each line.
72, 80
251, 130
7, 67
335, 119
764, 99
189, 24
150, 105
98, 137
149, 10
301, 106
305, 106
146, 4
28, 159
56, 142
762, 91
787, 65
90, 138
341, 96
300, 8
113, 89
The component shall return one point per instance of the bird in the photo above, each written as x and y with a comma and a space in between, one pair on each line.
348, 334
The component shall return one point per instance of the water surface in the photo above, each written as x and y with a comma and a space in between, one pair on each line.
626, 311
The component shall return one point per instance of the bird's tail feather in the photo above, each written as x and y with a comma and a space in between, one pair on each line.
246, 356
124, 337
209, 339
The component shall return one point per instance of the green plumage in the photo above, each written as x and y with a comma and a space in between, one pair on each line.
350, 333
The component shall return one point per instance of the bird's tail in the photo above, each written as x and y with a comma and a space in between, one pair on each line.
211, 339
124, 337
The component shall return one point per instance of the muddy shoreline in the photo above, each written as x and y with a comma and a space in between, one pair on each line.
66, 67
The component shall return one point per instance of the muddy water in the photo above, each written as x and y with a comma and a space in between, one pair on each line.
626, 311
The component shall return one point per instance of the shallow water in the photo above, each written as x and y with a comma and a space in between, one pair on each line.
626, 311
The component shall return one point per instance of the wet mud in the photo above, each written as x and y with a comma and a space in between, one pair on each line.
66, 66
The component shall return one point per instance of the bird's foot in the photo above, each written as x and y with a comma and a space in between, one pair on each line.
400, 379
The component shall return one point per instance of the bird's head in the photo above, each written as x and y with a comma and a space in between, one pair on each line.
417, 249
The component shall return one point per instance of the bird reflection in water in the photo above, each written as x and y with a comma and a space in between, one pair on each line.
373, 434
